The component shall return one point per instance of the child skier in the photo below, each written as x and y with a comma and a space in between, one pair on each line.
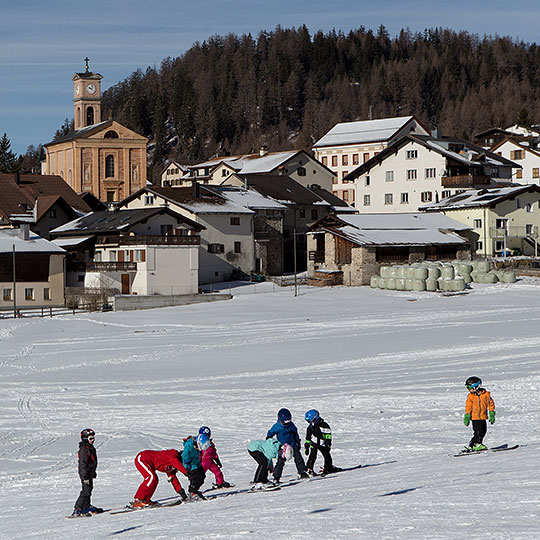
318, 439
210, 460
192, 462
286, 433
478, 406
148, 462
263, 452
87, 473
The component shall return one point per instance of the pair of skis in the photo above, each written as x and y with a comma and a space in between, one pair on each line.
501, 448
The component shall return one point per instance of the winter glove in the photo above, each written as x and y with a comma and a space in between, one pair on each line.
491, 417
86, 482
467, 419
306, 449
218, 463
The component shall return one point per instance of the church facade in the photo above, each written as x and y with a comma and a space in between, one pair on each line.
101, 157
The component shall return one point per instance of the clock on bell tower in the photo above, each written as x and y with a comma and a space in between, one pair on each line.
87, 97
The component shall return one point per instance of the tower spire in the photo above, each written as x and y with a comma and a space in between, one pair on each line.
86, 60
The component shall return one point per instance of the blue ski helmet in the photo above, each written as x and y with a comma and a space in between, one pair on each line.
203, 442
312, 416
206, 430
284, 416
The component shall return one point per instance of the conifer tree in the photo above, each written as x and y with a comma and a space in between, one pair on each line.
9, 162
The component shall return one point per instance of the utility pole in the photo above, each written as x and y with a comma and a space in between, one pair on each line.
294, 254
14, 286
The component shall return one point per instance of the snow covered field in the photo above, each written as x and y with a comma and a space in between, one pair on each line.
386, 369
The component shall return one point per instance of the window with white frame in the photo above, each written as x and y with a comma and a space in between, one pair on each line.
388, 198
139, 255
344, 159
529, 207
216, 248
477, 223
29, 293
404, 198
446, 193
7, 294
46, 293
412, 154
366, 181
113, 256
389, 176
529, 229
430, 172
235, 220
367, 200
97, 256
411, 174
426, 196
479, 244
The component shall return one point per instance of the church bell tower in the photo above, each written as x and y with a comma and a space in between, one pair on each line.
87, 97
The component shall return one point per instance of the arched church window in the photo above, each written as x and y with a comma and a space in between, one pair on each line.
109, 166
111, 135
90, 116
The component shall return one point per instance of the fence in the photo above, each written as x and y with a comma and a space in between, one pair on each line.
24, 312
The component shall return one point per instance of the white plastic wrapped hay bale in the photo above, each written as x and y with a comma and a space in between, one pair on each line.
374, 282
421, 273
409, 284
419, 285
400, 284
457, 284
409, 272
385, 271
492, 277
467, 278
447, 271
509, 276
483, 266
486, 277
465, 268
434, 272
382, 282
431, 284
391, 283
499, 273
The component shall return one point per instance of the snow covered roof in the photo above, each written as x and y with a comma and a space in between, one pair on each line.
480, 197
35, 244
249, 198
394, 229
70, 241
364, 131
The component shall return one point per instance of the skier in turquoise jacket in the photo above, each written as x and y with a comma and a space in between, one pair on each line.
263, 452
192, 463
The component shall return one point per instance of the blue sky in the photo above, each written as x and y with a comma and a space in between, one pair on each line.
43, 43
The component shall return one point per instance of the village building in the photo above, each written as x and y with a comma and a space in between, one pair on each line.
420, 169
349, 144
99, 156
31, 270
226, 249
298, 164
348, 249
142, 251
42, 201
506, 220
526, 154
172, 175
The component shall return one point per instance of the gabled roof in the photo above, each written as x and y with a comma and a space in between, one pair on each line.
282, 188
196, 200
183, 168
411, 229
337, 204
518, 144
35, 244
248, 197
471, 154
88, 131
120, 221
473, 198
364, 131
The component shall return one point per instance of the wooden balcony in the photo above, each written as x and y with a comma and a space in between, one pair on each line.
316, 256
151, 240
466, 181
102, 266
514, 231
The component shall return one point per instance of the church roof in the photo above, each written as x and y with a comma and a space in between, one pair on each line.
88, 131
87, 75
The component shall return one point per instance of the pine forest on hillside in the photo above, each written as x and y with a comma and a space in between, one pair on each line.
286, 88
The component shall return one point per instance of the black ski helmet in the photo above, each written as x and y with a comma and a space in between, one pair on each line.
86, 433
473, 382
284, 416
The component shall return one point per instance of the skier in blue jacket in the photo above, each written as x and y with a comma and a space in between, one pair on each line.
286, 433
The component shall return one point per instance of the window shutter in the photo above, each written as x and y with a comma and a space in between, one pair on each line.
143, 255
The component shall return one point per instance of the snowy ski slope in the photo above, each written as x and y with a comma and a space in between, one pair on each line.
385, 368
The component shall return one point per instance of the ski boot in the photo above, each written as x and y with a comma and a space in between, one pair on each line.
78, 512
479, 447
141, 503
183, 495
196, 496
95, 510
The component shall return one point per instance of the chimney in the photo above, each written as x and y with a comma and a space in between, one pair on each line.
263, 151
24, 231
436, 133
195, 189
17, 178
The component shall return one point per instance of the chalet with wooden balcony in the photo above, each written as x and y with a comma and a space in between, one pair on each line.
139, 251
420, 169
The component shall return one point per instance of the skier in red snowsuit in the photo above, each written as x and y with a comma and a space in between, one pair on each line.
150, 461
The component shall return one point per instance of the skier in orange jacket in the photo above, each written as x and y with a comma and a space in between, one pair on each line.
478, 408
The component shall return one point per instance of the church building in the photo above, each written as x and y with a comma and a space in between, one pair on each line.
104, 158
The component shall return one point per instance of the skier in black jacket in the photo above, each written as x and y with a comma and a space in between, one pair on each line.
318, 439
87, 473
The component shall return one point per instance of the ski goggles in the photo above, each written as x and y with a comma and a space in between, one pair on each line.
475, 386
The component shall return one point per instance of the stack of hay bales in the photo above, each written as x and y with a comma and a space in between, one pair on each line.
437, 276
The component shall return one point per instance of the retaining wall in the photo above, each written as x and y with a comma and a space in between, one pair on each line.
132, 302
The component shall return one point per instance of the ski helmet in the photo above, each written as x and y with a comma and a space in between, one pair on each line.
284, 416
203, 442
287, 452
206, 430
312, 415
473, 383
88, 434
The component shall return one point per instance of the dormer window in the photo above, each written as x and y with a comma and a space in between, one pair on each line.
148, 199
